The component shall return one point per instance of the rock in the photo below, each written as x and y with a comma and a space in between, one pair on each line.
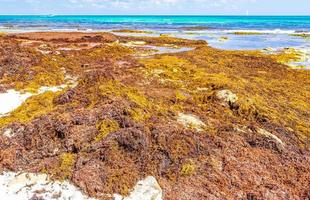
223, 39
147, 189
8, 133
191, 121
266, 140
227, 97
270, 135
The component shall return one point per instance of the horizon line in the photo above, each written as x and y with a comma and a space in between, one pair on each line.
151, 15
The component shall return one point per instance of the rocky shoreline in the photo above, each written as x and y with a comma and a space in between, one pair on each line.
167, 117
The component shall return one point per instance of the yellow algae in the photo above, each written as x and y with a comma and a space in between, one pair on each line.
303, 35
180, 96
172, 71
33, 107
48, 73
281, 98
138, 99
112, 51
41, 79
110, 88
105, 127
65, 168
138, 114
113, 89
188, 168
247, 33
165, 35
141, 106
287, 55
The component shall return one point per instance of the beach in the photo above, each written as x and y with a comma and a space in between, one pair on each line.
155, 111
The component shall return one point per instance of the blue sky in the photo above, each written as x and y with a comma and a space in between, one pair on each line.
157, 7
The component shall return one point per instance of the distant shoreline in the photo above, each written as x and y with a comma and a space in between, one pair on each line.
160, 15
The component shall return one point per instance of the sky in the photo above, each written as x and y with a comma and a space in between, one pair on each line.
155, 7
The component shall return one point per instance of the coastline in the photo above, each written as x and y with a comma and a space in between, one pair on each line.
136, 114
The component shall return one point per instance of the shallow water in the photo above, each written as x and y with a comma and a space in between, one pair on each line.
254, 42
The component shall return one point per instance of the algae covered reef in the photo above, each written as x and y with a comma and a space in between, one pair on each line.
206, 123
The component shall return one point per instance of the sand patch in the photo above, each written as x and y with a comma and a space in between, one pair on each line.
21, 186
11, 100
147, 189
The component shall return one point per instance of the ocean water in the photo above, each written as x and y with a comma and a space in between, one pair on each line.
276, 31
295, 23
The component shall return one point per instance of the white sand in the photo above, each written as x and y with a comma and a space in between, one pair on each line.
51, 89
11, 100
147, 189
23, 186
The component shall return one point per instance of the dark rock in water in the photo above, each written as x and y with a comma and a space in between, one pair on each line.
35, 197
301, 31
10, 26
197, 28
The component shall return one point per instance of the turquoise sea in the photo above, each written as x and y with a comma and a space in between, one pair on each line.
296, 23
